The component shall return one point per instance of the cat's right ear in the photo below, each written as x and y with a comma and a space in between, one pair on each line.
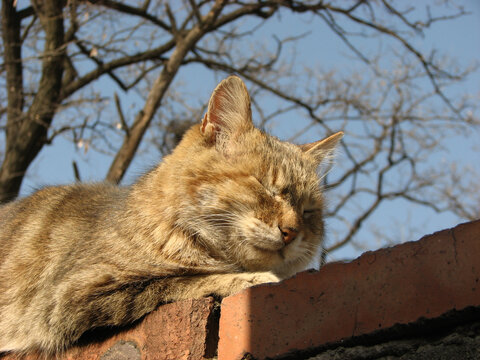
323, 149
229, 112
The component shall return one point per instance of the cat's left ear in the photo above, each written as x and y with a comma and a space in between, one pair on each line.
229, 111
322, 149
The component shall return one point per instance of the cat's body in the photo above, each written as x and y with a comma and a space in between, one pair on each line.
230, 208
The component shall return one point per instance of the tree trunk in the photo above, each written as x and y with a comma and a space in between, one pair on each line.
13, 68
26, 132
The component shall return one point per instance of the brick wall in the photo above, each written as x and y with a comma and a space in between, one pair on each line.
419, 300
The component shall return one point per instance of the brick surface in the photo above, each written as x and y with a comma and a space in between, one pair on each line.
398, 285
173, 331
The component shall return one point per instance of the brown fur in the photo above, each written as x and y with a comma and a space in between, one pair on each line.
231, 207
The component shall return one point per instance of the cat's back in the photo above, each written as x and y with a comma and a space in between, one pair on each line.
32, 220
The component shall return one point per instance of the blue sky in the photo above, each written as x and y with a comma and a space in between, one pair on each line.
459, 38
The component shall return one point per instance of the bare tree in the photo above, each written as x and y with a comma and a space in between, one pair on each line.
56, 53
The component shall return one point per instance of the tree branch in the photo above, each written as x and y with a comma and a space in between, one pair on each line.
130, 10
142, 121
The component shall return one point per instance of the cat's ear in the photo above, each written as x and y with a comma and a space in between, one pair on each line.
323, 149
229, 111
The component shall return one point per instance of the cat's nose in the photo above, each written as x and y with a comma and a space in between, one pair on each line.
289, 234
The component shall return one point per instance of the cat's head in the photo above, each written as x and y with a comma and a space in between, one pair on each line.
252, 198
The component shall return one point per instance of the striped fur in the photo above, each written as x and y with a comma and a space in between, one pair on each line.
213, 218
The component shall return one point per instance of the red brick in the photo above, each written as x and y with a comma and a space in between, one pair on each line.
398, 285
173, 331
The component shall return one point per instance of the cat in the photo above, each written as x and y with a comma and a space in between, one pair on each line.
231, 207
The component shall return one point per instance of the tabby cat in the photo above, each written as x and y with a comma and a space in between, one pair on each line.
231, 207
